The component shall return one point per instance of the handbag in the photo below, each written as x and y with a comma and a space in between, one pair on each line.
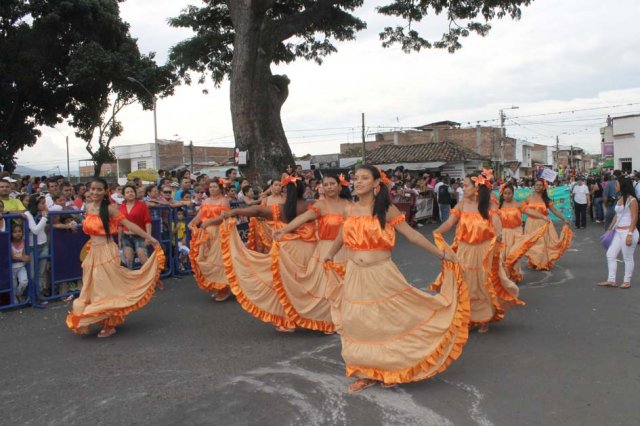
607, 238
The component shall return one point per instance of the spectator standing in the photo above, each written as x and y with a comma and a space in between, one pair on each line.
185, 186
232, 177
443, 197
596, 193
11, 205
581, 203
80, 189
626, 234
52, 186
37, 216
610, 196
20, 279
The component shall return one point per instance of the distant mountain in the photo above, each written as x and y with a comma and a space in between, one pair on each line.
22, 170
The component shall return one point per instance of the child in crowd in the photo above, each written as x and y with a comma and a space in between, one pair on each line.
180, 235
20, 279
189, 207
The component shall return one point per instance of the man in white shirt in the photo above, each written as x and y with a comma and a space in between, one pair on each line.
581, 202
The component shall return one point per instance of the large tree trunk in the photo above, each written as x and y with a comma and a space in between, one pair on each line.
257, 95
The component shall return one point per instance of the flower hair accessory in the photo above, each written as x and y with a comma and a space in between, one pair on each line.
384, 178
502, 188
289, 179
222, 181
545, 183
342, 180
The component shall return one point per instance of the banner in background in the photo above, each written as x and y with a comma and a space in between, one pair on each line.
560, 195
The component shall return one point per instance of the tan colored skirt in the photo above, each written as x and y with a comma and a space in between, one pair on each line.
516, 245
206, 259
491, 292
548, 249
395, 333
301, 281
260, 236
110, 291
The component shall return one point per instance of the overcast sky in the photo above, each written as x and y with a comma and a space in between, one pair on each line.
562, 56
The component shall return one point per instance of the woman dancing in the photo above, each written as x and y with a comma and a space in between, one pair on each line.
205, 252
477, 244
110, 291
251, 274
548, 249
392, 332
261, 230
626, 235
304, 293
515, 241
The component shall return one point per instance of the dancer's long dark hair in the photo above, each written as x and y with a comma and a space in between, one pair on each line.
345, 192
545, 195
484, 197
294, 193
626, 189
382, 199
507, 186
104, 205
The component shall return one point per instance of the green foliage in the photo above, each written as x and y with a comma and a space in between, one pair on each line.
307, 29
69, 59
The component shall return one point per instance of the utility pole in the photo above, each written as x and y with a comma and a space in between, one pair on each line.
364, 154
571, 157
557, 153
68, 167
503, 135
191, 151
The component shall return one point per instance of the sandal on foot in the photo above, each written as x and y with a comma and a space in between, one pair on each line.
388, 385
106, 333
484, 328
160, 285
282, 329
607, 284
222, 296
360, 385
625, 286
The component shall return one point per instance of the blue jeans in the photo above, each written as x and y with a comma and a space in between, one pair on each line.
599, 208
444, 212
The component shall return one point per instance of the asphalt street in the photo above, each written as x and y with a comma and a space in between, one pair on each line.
571, 356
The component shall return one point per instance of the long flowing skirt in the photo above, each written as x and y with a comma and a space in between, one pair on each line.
260, 234
548, 249
301, 282
491, 292
395, 333
110, 291
516, 245
206, 260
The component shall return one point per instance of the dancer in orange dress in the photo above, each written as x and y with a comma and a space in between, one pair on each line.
205, 252
251, 274
516, 242
305, 293
391, 332
110, 291
260, 229
477, 243
548, 249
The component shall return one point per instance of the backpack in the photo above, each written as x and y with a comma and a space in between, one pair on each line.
444, 197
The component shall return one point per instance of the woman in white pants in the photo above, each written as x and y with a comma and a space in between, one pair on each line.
626, 235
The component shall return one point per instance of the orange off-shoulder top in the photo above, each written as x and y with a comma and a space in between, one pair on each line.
511, 217
365, 233
538, 206
472, 227
306, 232
328, 224
211, 211
92, 224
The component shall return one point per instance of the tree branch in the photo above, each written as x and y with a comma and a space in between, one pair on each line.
300, 22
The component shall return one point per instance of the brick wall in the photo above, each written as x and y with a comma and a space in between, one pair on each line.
107, 170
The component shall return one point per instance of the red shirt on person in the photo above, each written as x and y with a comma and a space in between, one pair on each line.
139, 214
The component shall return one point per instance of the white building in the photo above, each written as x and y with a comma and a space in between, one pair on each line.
523, 157
134, 157
626, 142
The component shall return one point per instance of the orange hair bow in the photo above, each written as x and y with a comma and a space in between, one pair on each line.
343, 181
384, 178
481, 181
223, 181
488, 173
289, 179
502, 188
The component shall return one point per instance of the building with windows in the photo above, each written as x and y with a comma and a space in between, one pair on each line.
626, 142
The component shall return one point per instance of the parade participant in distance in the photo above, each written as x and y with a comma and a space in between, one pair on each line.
205, 252
477, 243
392, 332
110, 291
548, 249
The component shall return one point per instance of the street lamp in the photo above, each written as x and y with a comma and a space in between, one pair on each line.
502, 136
155, 122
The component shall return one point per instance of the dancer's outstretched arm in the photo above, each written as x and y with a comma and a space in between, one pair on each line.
305, 217
417, 238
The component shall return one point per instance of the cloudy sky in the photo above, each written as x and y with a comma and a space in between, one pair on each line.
565, 64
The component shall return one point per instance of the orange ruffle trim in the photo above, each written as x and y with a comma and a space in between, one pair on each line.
455, 337
515, 257
204, 283
117, 316
241, 298
337, 268
565, 242
292, 313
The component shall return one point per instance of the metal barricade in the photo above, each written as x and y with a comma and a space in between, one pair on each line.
162, 228
8, 285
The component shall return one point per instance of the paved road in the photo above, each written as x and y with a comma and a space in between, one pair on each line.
570, 357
